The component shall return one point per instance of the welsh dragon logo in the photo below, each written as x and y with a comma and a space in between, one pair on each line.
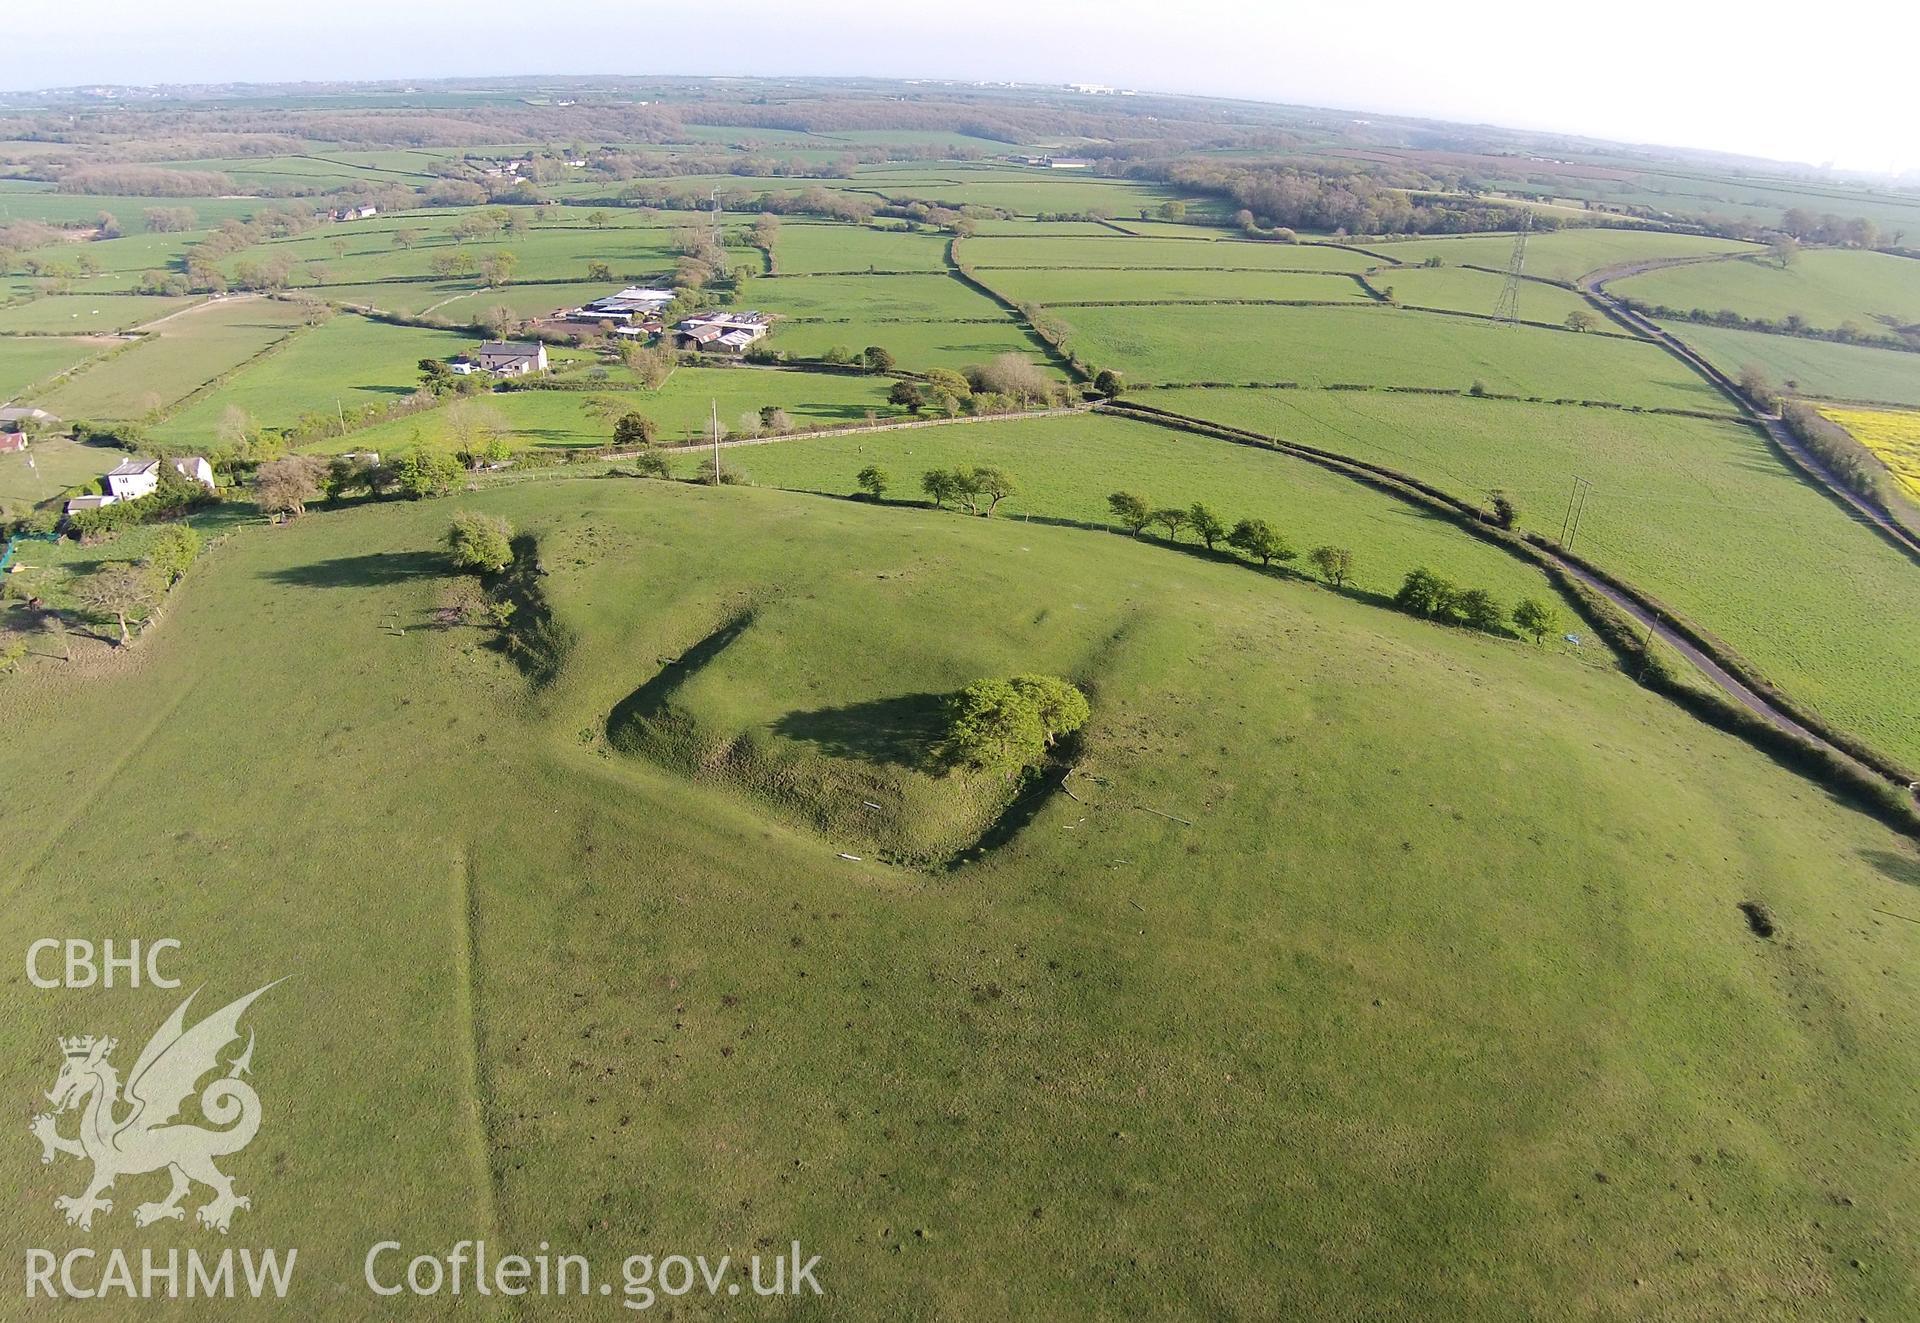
141, 1130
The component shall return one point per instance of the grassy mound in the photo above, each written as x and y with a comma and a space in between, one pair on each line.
1403, 969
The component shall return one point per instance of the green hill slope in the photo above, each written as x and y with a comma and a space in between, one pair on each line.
1397, 967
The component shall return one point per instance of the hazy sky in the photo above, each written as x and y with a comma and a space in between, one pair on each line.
1801, 82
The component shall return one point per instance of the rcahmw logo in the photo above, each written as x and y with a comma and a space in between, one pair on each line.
139, 1129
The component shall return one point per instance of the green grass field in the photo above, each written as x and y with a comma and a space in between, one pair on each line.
808, 249
915, 345
1382, 347
681, 407
25, 360
1441, 1008
1456, 289
1068, 466
1826, 287
181, 357
1561, 255
873, 298
57, 463
1084, 286
1814, 367
1700, 513
86, 314
345, 364
1118, 251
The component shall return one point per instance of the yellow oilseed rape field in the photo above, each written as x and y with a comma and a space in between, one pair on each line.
1892, 434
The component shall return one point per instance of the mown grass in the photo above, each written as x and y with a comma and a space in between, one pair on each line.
1702, 514
1827, 287
1814, 367
1381, 346
1442, 1007
179, 358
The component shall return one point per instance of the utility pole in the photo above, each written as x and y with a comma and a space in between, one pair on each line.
716, 441
719, 242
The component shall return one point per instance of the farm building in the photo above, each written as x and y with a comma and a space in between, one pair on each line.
20, 417
512, 358
354, 213
80, 503
623, 308
723, 332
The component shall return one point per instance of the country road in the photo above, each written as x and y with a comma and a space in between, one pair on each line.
1595, 284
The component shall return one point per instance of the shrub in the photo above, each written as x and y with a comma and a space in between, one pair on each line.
634, 430
650, 464
1537, 619
873, 481
483, 543
424, 472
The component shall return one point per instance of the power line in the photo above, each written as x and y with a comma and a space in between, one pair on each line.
1507, 307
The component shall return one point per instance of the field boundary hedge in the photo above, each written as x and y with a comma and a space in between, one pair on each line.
1849, 764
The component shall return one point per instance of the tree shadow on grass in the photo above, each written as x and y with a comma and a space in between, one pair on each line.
1899, 867
369, 571
901, 731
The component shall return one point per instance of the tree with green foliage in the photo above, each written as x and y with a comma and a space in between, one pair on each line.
1335, 564
1259, 539
909, 395
425, 471
1109, 383
634, 431
1537, 619
1425, 593
482, 543
171, 552
877, 359
1131, 510
599, 271
945, 381
984, 488
873, 481
1580, 320
1207, 526
1477, 608
650, 464
991, 725
1173, 519
941, 485
436, 376
1059, 704
120, 589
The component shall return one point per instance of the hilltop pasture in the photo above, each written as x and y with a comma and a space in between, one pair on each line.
1119, 252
